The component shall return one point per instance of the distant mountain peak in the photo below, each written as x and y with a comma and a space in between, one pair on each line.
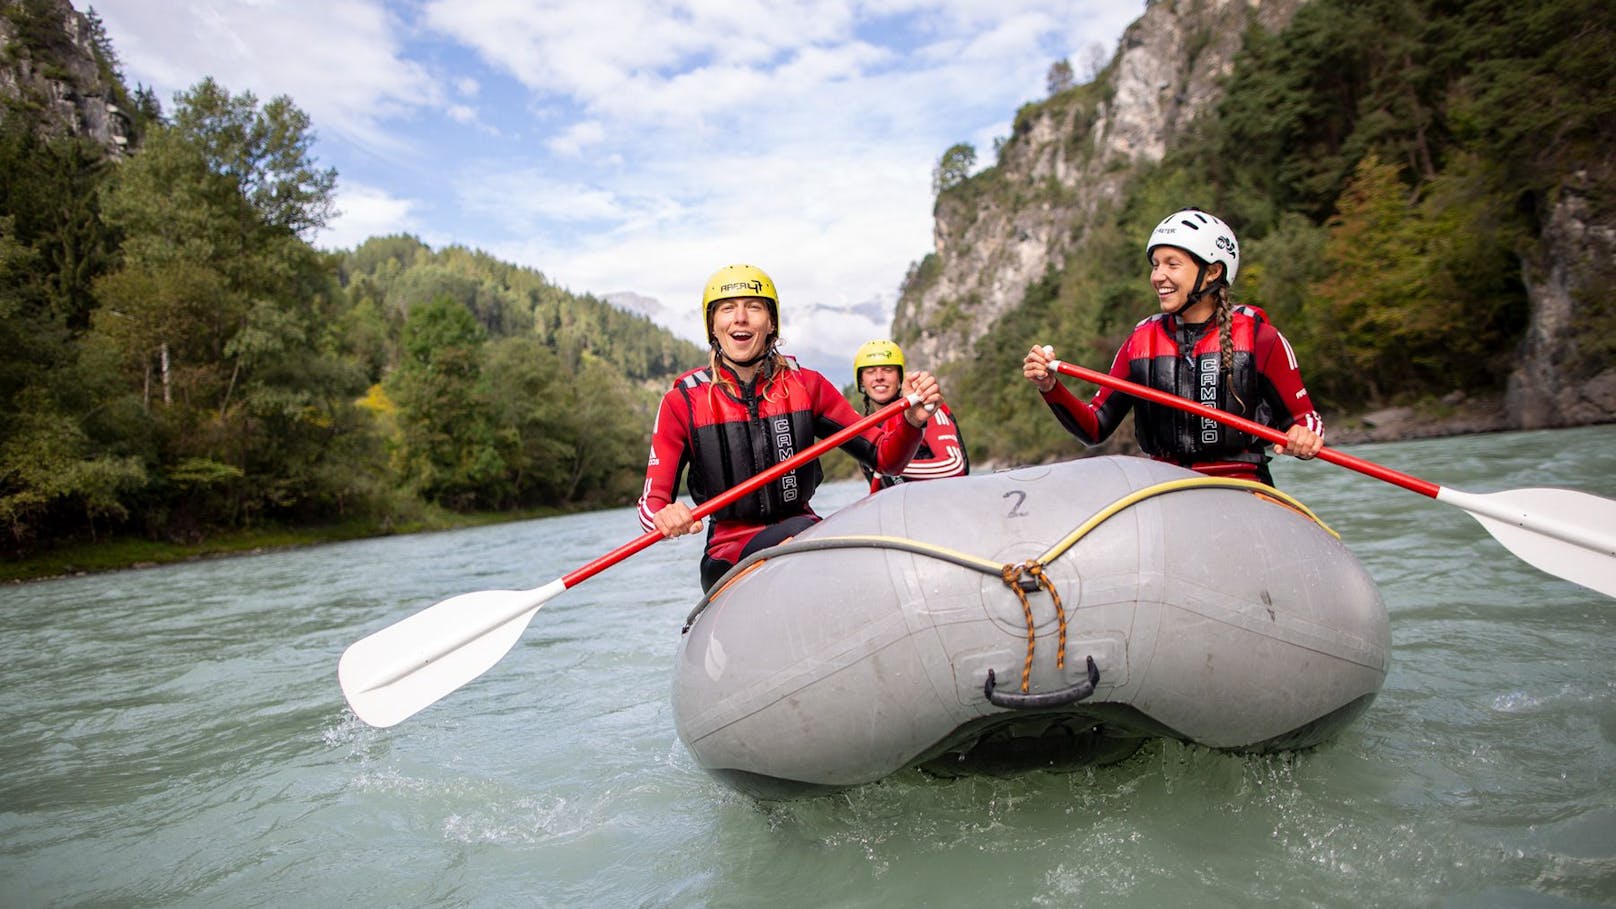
630, 301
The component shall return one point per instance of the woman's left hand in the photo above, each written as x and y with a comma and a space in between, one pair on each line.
1300, 442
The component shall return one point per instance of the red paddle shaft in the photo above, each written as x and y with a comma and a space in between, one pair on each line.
1412, 484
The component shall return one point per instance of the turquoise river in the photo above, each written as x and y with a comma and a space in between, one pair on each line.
175, 737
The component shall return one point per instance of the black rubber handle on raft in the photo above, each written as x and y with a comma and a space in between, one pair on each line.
1047, 699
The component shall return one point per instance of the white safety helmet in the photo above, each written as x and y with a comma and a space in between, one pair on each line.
1203, 235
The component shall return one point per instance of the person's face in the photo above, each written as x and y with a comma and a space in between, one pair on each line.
1172, 276
742, 327
881, 383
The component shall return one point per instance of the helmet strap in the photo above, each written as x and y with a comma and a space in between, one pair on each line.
1201, 287
1195, 295
1196, 292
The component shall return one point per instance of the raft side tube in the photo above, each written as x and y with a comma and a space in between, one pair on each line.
836, 666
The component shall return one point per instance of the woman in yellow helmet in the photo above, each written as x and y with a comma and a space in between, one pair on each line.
748, 409
878, 369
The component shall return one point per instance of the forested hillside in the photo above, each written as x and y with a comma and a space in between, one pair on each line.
1423, 193
177, 360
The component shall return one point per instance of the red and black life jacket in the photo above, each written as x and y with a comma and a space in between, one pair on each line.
736, 434
1162, 354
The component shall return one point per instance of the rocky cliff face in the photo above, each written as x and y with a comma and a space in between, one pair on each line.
1071, 155
1560, 380
62, 80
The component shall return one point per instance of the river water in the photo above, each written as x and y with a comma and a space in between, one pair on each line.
175, 737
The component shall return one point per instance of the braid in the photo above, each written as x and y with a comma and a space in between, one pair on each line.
1225, 317
1225, 335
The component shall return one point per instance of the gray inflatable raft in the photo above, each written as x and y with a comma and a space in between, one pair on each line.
1050, 616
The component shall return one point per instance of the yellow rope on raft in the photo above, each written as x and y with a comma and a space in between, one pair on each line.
1010, 573
1150, 492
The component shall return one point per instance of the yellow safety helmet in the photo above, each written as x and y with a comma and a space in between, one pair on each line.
738, 281
876, 353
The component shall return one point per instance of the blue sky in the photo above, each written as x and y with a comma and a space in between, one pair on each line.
635, 147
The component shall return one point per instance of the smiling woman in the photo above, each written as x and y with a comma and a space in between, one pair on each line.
747, 410
878, 370
1200, 347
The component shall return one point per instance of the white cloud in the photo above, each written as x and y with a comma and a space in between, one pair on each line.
364, 212
637, 145
525, 201
341, 61
577, 137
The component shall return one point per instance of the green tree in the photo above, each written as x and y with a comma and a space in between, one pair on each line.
1060, 76
1518, 94
51, 472
218, 312
608, 428
57, 472
50, 193
583, 432
48, 463
954, 168
449, 450
527, 390
1420, 293
259, 160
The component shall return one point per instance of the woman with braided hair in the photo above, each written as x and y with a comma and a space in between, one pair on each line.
1202, 347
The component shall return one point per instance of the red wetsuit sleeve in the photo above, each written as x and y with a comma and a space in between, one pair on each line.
947, 455
1282, 382
1094, 421
670, 435
894, 442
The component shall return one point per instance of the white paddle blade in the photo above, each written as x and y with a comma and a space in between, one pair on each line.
1561, 531
410, 665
